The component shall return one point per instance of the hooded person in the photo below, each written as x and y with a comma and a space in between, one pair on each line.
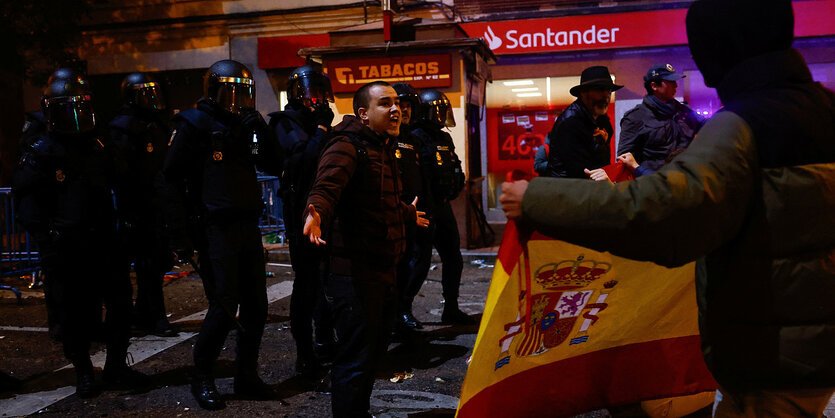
764, 276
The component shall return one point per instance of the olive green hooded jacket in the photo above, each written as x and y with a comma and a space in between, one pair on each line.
753, 200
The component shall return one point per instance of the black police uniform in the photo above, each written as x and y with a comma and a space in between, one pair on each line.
142, 138
34, 128
212, 152
64, 185
446, 182
413, 176
301, 139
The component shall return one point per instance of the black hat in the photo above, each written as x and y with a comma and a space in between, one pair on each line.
663, 72
594, 77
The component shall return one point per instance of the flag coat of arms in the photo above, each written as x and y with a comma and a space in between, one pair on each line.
568, 330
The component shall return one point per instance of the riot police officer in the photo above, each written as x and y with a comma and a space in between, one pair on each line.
445, 183
34, 128
140, 131
64, 184
301, 129
215, 149
413, 178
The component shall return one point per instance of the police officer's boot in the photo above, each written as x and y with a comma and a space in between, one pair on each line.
248, 385
118, 375
85, 381
453, 315
205, 392
408, 321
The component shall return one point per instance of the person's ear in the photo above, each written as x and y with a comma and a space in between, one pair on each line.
363, 114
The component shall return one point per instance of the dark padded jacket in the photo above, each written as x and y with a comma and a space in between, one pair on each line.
440, 163
302, 141
64, 186
142, 139
357, 192
651, 133
752, 199
212, 152
573, 144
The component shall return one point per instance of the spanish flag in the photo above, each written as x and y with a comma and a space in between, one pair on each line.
568, 330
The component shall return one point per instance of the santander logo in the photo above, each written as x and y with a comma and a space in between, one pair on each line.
493, 41
589, 36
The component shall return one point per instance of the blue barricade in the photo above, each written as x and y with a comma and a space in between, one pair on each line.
18, 254
272, 219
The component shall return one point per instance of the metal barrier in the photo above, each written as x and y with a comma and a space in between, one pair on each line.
18, 255
272, 219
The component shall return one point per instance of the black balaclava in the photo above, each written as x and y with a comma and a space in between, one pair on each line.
723, 33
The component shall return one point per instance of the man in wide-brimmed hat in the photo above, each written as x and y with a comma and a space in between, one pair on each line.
580, 136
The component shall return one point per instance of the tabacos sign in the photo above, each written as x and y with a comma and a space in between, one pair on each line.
617, 30
422, 71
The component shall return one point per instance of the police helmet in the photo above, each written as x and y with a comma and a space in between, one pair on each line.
61, 74
68, 103
436, 108
407, 93
229, 85
309, 87
142, 91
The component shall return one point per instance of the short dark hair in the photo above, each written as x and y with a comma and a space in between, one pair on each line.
362, 98
648, 84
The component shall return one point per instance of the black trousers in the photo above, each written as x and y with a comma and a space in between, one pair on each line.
234, 276
443, 235
363, 316
85, 270
405, 266
151, 261
309, 315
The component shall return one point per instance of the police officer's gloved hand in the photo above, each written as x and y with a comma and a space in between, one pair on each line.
252, 120
323, 115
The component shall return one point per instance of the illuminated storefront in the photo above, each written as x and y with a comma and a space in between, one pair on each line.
539, 60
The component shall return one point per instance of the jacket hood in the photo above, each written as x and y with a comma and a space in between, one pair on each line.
723, 33
762, 72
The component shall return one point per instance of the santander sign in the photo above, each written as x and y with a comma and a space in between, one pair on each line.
572, 33
621, 30
514, 39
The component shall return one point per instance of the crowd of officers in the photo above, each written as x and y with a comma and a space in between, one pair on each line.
364, 204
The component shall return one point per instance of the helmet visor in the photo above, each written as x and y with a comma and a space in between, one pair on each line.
149, 96
315, 90
234, 95
70, 115
440, 112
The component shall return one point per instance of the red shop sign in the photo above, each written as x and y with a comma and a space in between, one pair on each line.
617, 30
621, 30
422, 71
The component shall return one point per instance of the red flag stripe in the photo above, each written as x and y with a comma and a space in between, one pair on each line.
631, 373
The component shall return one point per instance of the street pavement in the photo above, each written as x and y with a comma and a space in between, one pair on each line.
433, 361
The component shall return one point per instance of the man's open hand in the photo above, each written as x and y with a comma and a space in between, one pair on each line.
313, 226
421, 222
597, 174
